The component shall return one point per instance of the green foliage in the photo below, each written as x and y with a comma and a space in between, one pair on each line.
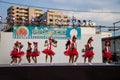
46, 41
21, 46
55, 42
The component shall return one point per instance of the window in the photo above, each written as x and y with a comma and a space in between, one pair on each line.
17, 11
17, 8
65, 17
17, 15
51, 20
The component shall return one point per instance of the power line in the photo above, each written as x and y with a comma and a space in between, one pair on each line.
115, 12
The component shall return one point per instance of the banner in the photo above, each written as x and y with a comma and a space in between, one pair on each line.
40, 32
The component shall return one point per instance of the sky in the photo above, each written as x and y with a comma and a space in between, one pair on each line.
100, 6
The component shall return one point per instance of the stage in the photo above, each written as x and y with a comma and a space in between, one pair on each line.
60, 71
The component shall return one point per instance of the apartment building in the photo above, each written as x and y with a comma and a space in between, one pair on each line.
54, 18
20, 15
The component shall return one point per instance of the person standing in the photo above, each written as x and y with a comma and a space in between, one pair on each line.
35, 52
67, 51
20, 52
14, 53
86, 51
29, 52
107, 54
48, 51
90, 53
73, 50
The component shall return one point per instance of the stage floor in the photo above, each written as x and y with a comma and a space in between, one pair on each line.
56, 64
60, 71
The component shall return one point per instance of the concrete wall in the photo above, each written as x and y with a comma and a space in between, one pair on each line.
88, 30
7, 41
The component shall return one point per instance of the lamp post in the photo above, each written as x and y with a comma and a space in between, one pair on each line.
13, 23
115, 56
32, 21
0, 18
0, 21
62, 22
73, 21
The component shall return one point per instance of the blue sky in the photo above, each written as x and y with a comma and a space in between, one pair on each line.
81, 5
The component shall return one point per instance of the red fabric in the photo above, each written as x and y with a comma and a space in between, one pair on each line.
67, 52
88, 53
34, 54
29, 54
48, 51
85, 53
73, 51
20, 54
14, 52
107, 53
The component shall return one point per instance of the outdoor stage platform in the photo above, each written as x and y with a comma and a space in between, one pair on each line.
60, 71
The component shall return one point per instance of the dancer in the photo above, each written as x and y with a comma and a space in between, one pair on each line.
35, 52
48, 51
20, 52
89, 51
14, 53
107, 54
67, 52
73, 50
29, 52
86, 50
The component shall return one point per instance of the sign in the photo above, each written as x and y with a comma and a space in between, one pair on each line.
40, 32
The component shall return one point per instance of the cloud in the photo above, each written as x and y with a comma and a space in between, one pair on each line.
60, 1
98, 18
74, 2
99, 3
93, 6
89, 4
80, 2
